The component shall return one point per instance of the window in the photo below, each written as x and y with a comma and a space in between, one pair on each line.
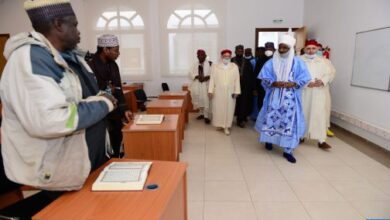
188, 30
129, 27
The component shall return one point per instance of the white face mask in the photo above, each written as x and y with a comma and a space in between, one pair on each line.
312, 56
268, 53
226, 61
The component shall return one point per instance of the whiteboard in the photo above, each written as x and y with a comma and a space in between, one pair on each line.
371, 67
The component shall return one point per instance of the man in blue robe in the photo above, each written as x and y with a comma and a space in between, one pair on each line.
281, 120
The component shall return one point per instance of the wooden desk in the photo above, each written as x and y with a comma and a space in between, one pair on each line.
184, 95
133, 86
168, 202
169, 107
185, 87
131, 100
152, 142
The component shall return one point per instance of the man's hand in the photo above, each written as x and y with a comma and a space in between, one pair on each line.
210, 95
128, 116
201, 78
290, 84
316, 83
319, 83
111, 98
279, 84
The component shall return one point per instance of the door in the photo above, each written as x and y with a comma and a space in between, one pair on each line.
300, 35
3, 39
272, 35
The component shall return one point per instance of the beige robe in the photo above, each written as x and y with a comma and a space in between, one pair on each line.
328, 96
316, 101
224, 82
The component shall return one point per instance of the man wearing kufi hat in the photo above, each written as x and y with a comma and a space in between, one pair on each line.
316, 94
200, 76
281, 120
224, 88
108, 78
53, 133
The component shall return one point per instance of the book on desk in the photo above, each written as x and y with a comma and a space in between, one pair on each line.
150, 119
122, 176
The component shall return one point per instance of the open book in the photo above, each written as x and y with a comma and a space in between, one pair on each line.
149, 119
120, 176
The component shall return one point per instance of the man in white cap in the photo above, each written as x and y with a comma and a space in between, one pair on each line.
224, 89
53, 133
108, 77
281, 120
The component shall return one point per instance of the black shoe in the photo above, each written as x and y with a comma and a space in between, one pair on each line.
290, 158
301, 140
206, 120
200, 117
268, 146
324, 146
241, 124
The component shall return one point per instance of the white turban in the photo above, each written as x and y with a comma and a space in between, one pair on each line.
287, 39
108, 40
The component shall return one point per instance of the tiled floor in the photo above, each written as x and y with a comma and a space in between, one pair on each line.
234, 177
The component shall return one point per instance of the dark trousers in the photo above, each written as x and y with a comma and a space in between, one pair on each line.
26, 208
115, 131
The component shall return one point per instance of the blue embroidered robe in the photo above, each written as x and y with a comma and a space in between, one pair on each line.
281, 120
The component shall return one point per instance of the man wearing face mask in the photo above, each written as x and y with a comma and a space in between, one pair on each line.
224, 88
316, 93
269, 49
247, 84
281, 120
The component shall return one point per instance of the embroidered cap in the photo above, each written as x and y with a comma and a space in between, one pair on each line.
108, 40
45, 10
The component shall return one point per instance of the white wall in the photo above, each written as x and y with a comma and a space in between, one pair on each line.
244, 16
335, 23
241, 19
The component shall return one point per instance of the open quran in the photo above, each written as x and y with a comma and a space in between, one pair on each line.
149, 119
121, 176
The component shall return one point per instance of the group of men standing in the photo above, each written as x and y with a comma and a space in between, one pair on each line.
292, 92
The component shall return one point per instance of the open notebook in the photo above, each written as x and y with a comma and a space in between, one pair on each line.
149, 119
120, 176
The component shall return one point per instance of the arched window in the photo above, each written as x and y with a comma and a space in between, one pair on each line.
129, 27
120, 20
192, 19
190, 29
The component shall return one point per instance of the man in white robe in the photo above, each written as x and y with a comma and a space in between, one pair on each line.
316, 95
223, 89
200, 76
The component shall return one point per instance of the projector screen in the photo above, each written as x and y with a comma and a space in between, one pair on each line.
371, 67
